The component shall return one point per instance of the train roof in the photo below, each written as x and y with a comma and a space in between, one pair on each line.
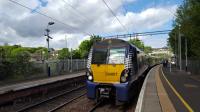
115, 43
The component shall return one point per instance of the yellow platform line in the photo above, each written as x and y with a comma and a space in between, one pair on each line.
166, 103
178, 95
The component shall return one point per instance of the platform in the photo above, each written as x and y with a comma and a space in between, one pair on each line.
165, 91
183, 89
148, 100
35, 83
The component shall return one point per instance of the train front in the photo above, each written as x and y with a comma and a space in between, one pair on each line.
107, 75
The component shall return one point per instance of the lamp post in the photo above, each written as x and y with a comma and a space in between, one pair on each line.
48, 37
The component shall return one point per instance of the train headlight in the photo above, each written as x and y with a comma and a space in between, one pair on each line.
124, 76
123, 79
90, 77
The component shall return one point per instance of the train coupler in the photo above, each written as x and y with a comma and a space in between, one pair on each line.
104, 92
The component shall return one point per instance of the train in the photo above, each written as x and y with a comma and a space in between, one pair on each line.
114, 68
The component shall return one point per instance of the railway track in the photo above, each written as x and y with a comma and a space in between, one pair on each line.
109, 107
65, 103
82, 104
53, 103
95, 106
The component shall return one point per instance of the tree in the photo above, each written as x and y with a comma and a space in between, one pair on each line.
63, 53
148, 49
21, 55
86, 45
2, 53
187, 23
76, 54
138, 43
16, 63
8, 49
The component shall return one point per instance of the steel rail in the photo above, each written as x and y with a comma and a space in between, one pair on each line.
49, 99
65, 103
96, 106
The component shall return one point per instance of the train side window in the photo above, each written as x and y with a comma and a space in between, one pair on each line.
134, 61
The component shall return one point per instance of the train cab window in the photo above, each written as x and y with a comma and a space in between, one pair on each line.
99, 56
116, 56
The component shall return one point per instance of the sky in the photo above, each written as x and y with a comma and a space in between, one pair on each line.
76, 20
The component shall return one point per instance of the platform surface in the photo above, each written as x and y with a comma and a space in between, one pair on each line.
151, 98
169, 91
30, 84
148, 100
186, 93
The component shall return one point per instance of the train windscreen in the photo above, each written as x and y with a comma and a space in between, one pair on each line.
116, 56
99, 56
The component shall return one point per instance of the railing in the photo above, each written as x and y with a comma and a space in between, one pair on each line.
66, 66
193, 66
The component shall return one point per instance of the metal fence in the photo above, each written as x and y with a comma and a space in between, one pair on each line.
66, 66
11, 71
193, 66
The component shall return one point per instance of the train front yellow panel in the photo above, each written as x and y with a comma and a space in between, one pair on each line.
98, 72
107, 73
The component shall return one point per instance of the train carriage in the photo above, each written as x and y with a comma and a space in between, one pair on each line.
113, 67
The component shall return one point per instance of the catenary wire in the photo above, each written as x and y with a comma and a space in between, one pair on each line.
115, 15
47, 16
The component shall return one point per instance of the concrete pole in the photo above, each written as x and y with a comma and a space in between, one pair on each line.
71, 61
77, 64
68, 64
180, 60
175, 51
66, 41
186, 52
84, 66
170, 67
65, 58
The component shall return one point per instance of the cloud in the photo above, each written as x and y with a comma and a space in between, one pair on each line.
158, 41
21, 26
